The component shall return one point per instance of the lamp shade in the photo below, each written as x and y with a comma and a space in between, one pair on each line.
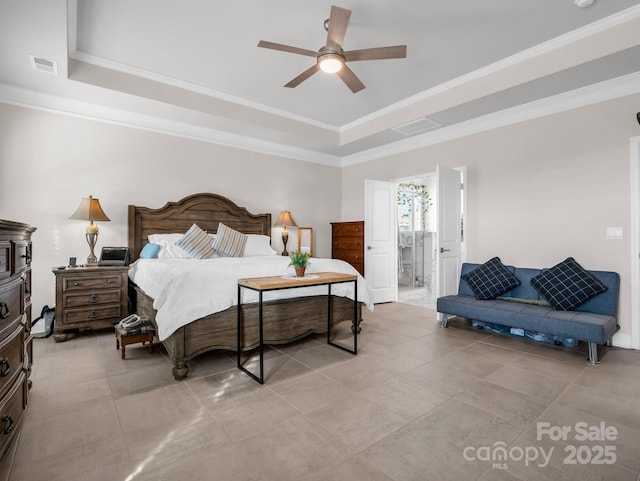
285, 220
90, 209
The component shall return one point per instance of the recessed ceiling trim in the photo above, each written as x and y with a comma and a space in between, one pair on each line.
608, 90
60, 105
556, 43
365, 125
72, 25
127, 69
592, 94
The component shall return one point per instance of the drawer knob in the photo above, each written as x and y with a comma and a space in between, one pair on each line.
4, 310
93, 298
109, 281
76, 284
93, 315
4, 367
7, 424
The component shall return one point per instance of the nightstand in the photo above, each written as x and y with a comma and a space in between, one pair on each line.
89, 298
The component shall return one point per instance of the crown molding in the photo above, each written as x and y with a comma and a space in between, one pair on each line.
608, 90
199, 89
51, 103
592, 94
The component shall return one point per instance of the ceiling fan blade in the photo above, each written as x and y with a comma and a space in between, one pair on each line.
303, 76
348, 77
287, 48
338, 21
376, 53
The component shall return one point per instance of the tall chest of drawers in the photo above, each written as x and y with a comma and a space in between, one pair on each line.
347, 243
16, 353
89, 298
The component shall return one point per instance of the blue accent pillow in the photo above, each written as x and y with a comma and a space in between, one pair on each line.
490, 280
150, 251
567, 285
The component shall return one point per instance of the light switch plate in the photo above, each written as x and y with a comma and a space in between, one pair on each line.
614, 232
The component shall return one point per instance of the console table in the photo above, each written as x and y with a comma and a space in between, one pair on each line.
275, 283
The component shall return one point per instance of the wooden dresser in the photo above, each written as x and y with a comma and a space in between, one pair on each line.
89, 298
16, 352
347, 243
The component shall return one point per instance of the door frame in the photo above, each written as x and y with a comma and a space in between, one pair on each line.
397, 181
634, 339
465, 213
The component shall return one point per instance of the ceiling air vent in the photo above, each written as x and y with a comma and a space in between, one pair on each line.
44, 64
416, 126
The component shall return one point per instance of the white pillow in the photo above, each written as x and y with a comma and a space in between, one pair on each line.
166, 238
172, 251
168, 249
258, 245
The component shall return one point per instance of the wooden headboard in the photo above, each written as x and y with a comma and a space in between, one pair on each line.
206, 210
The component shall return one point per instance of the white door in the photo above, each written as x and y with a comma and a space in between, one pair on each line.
380, 239
449, 238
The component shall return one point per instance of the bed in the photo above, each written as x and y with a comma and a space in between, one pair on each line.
285, 320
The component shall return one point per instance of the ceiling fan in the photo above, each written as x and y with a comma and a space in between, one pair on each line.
332, 58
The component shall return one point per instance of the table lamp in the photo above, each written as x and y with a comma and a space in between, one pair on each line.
90, 210
285, 220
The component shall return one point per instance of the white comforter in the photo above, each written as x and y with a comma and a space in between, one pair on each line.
187, 289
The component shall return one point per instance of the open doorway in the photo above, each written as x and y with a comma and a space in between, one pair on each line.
441, 249
418, 242
417, 230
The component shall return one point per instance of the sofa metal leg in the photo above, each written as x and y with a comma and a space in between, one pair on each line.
443, 323
593, 353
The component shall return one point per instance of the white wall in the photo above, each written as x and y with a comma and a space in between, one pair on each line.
49, 162
538, 191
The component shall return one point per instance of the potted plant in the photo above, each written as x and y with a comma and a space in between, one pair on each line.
300, 261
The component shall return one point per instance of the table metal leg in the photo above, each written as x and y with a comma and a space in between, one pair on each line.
260, 327
329, 314
354, 322
259, 378
355, 317
238, 329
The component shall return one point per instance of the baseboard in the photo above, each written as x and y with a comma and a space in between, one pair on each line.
622, 340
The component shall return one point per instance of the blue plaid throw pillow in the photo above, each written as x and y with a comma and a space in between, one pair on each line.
491, 279
567, 285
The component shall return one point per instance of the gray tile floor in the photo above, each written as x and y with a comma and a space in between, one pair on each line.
417, 403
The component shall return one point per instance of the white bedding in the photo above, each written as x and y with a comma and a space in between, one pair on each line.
187, 289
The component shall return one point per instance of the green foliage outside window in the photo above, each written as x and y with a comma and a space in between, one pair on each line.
413, 201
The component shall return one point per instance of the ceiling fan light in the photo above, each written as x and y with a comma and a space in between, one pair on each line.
330, 63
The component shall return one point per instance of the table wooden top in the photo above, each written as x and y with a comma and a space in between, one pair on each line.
283, 282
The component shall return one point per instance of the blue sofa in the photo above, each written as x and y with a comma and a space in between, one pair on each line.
522, 308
